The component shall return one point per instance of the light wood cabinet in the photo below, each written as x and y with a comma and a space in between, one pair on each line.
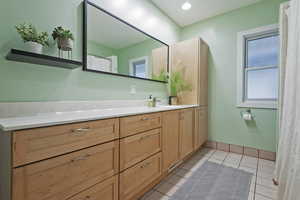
186, 132
190, 57
106, 190
138, 177
159, 60
139, 123
171, 130
136, 148
82, 160
41, 143
67, 175
201, 127
178, 136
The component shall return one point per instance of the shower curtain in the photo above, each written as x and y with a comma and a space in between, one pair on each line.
288, 157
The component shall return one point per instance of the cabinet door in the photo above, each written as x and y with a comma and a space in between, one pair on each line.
137, 178
203, 125
40, 143
170, 139
106, 190
136, 148
185, 59
197, 129
139, 123
64, 176
186, 132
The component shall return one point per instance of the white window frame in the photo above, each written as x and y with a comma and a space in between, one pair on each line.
132, 61
241, 56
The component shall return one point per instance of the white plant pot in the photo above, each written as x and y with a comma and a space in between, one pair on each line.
34, 47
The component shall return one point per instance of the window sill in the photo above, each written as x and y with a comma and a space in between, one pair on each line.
264, 105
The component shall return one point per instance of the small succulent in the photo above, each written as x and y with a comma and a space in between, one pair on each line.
60, 32
29, 33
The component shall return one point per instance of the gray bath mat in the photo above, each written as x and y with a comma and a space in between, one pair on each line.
215, 182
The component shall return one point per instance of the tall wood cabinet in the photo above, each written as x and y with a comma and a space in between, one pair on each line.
190, 57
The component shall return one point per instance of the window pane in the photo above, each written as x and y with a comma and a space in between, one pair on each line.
262, 84
140, 69
263, 51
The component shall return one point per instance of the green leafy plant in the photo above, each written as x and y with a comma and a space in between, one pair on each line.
60, 32
162, 76
178, 84
29, 34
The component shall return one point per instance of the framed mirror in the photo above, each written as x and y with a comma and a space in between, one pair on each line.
113, 46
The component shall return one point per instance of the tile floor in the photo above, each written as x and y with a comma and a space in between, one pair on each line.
262, 187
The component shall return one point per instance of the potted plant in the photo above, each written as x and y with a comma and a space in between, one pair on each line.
177, 85
64, 38
32, 38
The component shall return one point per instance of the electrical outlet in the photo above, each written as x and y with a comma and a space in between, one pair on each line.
132, 89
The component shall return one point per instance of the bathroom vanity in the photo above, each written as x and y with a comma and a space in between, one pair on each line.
110, 154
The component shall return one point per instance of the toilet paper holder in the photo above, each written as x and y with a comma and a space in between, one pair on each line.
245, 113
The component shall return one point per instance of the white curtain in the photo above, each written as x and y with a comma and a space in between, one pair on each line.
288, 158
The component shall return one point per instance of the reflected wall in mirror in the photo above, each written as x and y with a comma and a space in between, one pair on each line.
113, 46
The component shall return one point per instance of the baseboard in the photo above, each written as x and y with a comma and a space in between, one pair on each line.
244, 150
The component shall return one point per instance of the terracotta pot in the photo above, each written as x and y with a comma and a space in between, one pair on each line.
34, 47
65, 44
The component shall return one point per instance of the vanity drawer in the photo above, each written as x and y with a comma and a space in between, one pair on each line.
137, 178
41, 143
106, 190
140, 123
136, 148
65, 176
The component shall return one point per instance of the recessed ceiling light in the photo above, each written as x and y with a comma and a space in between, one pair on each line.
186, 6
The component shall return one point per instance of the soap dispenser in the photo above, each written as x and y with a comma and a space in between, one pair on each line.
150, 101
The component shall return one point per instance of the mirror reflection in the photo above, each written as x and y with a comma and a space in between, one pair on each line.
114, 46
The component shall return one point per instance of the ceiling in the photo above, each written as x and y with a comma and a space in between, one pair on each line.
107, 31
201, 9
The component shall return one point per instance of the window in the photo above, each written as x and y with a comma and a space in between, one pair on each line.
258, 58
139, 67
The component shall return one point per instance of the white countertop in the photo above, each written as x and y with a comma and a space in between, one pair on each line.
50, 119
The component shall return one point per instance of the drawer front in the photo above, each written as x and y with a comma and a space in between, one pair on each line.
65, 176
140, 123
136, 148
106, 190
137, 178
41, 143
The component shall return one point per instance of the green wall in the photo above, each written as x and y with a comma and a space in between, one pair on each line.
28, 82
225, 123
135, 51
97, 49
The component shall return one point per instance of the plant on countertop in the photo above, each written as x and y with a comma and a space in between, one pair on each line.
178, 84
29, 34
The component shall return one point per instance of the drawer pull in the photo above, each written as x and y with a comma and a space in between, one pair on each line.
145, 165
80, 130
81, 158
144, 137
145, 119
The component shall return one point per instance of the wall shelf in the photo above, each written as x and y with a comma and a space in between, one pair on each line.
34, 58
